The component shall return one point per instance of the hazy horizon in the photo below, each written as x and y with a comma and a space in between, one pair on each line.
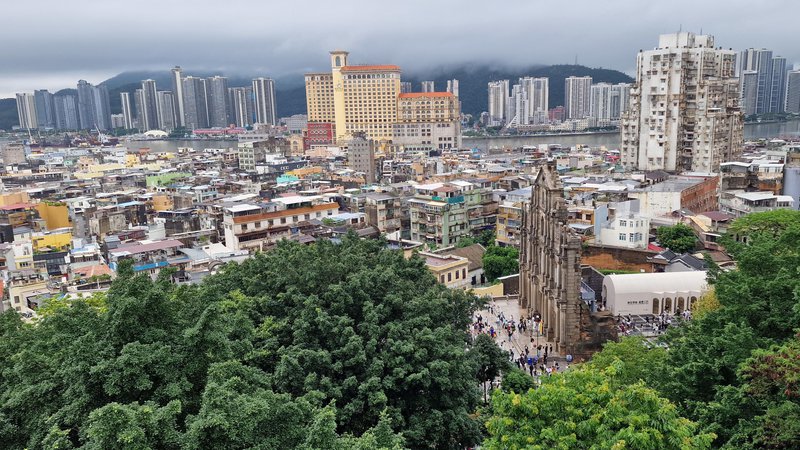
297, 77
81, 42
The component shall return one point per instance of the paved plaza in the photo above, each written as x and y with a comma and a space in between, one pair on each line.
512, 312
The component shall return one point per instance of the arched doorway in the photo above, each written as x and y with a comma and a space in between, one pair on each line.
668, 305
681, 305
655, 306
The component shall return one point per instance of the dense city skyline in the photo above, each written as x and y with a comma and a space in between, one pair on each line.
186, 265
481, 35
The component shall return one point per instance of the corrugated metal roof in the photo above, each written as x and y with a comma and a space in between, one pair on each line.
139, 247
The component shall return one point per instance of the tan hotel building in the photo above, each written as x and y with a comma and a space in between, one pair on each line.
428, 119
354, 98
367, 99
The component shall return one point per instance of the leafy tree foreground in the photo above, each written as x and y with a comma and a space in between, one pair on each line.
729, 378
325, 346
582, 409
733, 371
351, 346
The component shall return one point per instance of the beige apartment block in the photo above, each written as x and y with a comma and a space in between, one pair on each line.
428, 119
684, 111
367, 99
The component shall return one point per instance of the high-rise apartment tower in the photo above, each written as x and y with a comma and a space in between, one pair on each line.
684, 114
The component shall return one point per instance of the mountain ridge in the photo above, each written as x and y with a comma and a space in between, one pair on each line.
290, 89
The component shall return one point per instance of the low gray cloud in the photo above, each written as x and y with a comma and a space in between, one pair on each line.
93, 38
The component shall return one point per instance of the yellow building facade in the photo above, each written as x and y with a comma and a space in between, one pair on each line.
163, 202
428, 120
295, 145
319, 97
55, 215
24, 285
370, 101
427, 107
303, 172
13, 198
51, 240
450, 270
354, 98
131, 160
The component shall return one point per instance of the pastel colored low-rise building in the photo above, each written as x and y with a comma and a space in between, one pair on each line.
653, 293
450, 270
57, 239
258, 226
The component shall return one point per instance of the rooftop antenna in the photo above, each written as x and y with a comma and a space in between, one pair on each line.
680, 28
576, 59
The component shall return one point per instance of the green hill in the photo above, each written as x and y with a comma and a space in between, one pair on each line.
8, 113
473, 82
291, 96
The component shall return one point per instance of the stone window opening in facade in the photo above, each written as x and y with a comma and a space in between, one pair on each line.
668, 304
655, 306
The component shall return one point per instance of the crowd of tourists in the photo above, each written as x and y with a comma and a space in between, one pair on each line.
650, 324
518, 337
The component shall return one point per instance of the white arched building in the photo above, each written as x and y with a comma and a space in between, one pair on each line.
653, 293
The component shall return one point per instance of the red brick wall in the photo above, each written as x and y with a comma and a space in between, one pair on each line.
613, 258
701, 197
318, 133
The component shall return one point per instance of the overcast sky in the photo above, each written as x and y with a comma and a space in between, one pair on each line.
52, 43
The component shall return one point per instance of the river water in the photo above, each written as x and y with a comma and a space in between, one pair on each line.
612, 140
164, 146
608, 140
173, 146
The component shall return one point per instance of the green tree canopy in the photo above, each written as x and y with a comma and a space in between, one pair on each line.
465, 242
634, 358
180, 132
346, 346
500, 261
491, 360
679, 238
486, 238
772, 381
718, 365
518, 381
770, 224
582, 409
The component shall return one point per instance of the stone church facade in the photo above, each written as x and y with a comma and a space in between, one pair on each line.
550, 272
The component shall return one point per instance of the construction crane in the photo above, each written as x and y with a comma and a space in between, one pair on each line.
101, 138
31, 140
